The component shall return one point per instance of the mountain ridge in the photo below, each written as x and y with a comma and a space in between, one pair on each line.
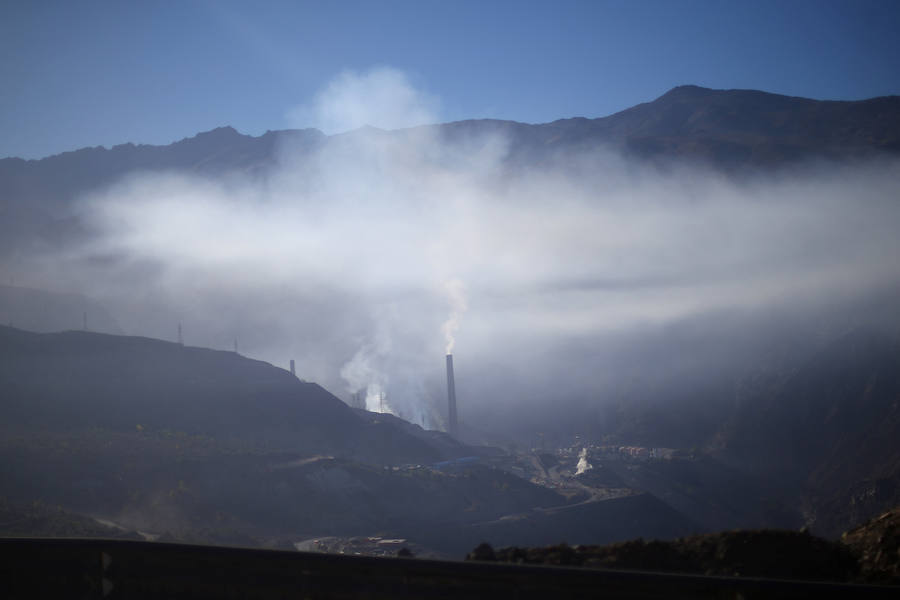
732, 131
681, 93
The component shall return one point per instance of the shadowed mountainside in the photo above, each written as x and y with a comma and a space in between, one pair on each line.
877, 543
828, 425
76, 380
732, 128
210, 446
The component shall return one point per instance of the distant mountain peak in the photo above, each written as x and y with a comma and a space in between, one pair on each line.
696, 93
219, 133
688, 89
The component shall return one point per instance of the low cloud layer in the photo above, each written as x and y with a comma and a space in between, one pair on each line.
372, 258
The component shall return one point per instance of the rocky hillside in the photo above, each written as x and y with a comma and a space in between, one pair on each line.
877, 544
828, 425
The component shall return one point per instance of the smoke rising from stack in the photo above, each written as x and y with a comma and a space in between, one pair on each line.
456, 294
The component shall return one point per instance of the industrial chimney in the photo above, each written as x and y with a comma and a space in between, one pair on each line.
451, 398
293, 372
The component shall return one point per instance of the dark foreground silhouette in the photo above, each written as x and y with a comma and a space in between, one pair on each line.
73, 568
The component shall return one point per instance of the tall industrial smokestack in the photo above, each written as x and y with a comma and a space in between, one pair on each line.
293, 371
451, 398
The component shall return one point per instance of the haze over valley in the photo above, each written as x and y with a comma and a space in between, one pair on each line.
675, 319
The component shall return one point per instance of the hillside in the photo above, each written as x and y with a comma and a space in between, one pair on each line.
79, 380
877, 544
826, 426
61, 177
208, 446
733, 128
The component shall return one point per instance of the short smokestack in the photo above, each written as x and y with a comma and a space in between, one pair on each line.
451, 398
293, 372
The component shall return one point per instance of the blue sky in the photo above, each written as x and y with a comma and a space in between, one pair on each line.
78, 74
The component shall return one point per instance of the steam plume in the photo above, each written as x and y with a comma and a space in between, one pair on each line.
456, 294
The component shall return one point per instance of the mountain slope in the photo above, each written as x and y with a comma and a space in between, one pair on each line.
78, 380
755, 127
724, 128
211, 446
61, 177
829, 425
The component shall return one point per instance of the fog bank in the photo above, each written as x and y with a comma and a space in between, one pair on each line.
370, 259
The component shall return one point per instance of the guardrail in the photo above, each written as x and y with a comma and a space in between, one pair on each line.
94, 568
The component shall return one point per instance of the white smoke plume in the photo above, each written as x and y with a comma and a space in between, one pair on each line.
583, 464
360, 374
456, 294
382, 97
367, 370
